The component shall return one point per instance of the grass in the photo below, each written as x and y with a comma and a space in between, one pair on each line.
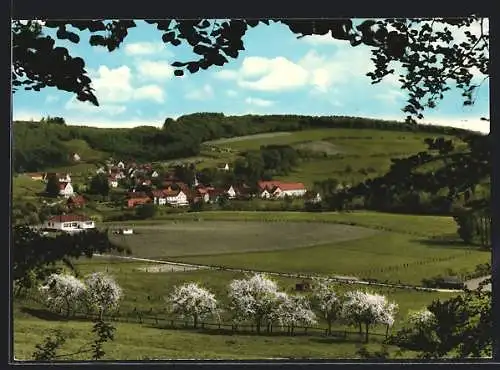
83, 149
25, 187
172, 239
135, 342
413, 224
30, 328
382, 257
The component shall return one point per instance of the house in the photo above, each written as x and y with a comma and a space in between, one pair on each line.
137, 200
265, 194
202, 194
159, 197
312, 197
269, 185
121, 165
76, 157
223, 166
176, 198
113, 181
216, 194
100, 170
289, 189
75, 201
65, 189
69, 223
231, 192
154, 174
64, 177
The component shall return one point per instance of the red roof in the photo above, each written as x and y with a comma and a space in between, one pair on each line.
158, 193
291, 186
68, 218
77, 199
268, 184
62, 185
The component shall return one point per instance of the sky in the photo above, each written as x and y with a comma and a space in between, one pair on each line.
276, 74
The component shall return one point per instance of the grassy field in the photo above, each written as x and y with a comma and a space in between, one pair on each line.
406, 249
413, 224
175, 239
25, 187
145, 292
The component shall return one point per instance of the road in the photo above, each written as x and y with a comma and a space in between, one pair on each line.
335, 278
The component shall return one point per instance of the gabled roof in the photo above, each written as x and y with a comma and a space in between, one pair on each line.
268, 184
291, 186
62, 185
68, 218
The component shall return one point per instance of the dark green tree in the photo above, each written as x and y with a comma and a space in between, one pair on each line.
99, 185
52, 187
145, 211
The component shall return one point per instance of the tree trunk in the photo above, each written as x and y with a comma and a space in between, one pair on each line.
366, 332
360, 328
68, 307
387, 331
195, 321
257, 326
329, 327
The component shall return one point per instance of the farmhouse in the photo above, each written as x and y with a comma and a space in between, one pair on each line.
121, 165
202, 194
289, 189
176, 198
312, 197
76, 157
65, 189
159, 197
69, 223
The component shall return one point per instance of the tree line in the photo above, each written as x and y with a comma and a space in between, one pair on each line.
39, 145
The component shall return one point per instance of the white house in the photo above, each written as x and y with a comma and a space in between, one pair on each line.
265, 194
231, 192
290, 189
76, 157
65, 189
113, 182
121, 165
64, 177
312, 197
224, 167
154, 174
159, 197
100, 170
69, 223
176, 198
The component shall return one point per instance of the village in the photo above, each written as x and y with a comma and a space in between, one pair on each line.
142, 184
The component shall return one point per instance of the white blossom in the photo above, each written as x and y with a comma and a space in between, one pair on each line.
294, 311
368, 309
191, 300
63, 291
256, 298
421, 318
102, 293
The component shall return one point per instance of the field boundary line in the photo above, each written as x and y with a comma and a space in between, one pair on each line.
339, 279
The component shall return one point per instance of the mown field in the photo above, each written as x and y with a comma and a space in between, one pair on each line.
405, 249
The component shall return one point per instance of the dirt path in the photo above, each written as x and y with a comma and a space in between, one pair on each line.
178, 266
473, 284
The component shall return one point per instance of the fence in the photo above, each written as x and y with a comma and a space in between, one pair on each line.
168, 322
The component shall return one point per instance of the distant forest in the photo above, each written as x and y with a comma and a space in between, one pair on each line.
39, 145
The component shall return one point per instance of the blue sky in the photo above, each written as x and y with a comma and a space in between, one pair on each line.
276, 74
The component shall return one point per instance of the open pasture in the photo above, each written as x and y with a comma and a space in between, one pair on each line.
175, 239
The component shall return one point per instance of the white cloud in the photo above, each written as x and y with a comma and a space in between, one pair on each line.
144, 48
226, 74
259, 102
51, 99
232, 93
318, 40
149, 92
157, 70
205, 92
112, 85
390, 96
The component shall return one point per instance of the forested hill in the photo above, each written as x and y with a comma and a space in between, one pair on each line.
39, 145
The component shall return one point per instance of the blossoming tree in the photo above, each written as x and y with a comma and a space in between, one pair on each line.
103, 293
63, 291
194, 301
327, 301
294, 310
369, 309
255, 299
